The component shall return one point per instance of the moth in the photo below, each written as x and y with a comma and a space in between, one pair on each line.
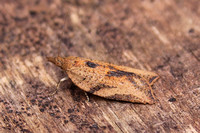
108, 80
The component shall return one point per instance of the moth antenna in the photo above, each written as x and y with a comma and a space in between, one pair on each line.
63, 28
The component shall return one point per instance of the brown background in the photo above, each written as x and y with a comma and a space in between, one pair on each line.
160, 36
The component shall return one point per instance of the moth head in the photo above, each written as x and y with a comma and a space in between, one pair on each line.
58, 61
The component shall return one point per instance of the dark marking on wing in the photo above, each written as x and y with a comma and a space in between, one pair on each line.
91, 64
129, 98
98, 87
150, 95
111, 67
152, 79
132, 81
142, 85
119, 73
123, 97
172, 99
120, 97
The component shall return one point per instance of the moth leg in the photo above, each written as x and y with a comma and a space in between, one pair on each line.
58, 84
88, 99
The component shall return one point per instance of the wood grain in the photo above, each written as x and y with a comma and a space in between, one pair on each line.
160, 36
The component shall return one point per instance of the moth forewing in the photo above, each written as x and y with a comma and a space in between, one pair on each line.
108, 80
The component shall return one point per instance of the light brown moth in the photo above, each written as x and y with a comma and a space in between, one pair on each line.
108, 80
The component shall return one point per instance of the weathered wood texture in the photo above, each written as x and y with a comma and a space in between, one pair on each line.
160, 36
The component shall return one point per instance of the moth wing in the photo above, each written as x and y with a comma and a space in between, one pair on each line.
97, 81
113, 91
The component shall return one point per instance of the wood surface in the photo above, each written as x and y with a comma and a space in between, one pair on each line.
162, 36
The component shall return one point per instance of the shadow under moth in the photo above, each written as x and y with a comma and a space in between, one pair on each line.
108, 80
